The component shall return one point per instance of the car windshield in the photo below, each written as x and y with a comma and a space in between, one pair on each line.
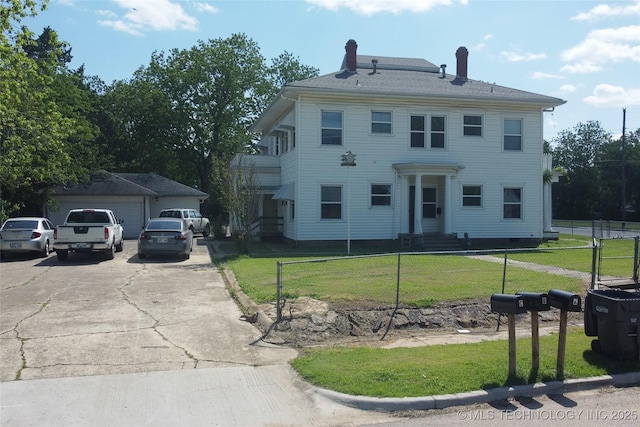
20, 224
170, 214
165, 225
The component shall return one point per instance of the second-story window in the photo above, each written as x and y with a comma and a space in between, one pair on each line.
513, 134
332, 128
472, 125
437, 132
417, 132
381, 122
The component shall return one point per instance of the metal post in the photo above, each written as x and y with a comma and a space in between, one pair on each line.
535, 342
348, 214
278, 291
398, 283
594, 259
636, 264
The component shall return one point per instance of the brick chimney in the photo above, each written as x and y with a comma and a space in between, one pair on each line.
461, 60
351, 55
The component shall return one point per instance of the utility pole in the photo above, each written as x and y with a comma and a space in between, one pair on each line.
624, 165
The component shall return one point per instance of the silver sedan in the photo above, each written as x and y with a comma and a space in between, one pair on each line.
165, 236
25, 235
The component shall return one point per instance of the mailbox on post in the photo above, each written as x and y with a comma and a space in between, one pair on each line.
565, 300
535, 301
507, 304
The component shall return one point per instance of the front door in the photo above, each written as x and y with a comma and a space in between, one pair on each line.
429, 209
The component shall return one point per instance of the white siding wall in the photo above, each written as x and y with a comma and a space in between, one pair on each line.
485, 163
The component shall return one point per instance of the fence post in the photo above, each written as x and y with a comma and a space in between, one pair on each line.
636, 263
594, 259
278, 292
398, 283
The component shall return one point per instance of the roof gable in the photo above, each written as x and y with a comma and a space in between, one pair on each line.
106, 183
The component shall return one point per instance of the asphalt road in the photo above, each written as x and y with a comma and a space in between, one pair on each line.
130, 343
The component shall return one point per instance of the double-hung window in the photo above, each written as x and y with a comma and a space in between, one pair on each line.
331, 127
417, 132
512, 203
472, 125
513, 135
381, 122
331, 202
472, 195
435, 131
380, 194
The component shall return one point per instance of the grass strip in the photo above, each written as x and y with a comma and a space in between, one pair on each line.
454, 368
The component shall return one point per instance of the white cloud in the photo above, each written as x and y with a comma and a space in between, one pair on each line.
106, 13
568, 88
205, 7
606, 95
601, 47
519, 57
604, 10
371, 7
144, 15
539, 75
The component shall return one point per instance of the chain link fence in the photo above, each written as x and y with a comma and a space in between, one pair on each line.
423, 279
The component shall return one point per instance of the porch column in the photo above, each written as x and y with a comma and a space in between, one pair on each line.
546, 207
447, 204
417, 208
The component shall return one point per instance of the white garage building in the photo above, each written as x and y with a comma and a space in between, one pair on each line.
133, 197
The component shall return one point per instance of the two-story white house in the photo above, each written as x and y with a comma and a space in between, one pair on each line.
387, 148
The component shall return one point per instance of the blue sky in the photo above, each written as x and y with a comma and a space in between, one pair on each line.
585, 52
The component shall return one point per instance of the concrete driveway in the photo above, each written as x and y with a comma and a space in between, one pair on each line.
125, 342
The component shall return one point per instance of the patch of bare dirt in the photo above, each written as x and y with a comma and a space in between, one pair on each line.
308, 322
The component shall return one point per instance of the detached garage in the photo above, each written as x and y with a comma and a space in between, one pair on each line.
133, 198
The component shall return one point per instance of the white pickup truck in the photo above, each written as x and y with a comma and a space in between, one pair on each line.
88, 230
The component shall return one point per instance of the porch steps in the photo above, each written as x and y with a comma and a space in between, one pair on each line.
430, 242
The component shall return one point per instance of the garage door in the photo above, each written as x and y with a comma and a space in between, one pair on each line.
131, 212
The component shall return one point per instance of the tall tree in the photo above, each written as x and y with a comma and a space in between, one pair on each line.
32, 129
579, 195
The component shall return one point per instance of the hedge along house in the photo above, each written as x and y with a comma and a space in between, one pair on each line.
395, 148
133, 197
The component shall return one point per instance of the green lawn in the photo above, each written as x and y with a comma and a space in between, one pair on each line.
424, 280
454, 368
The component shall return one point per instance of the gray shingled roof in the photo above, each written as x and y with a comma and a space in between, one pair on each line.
416, 77
129, 184
399, 77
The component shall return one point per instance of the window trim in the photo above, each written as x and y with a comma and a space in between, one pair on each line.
472, 196
505, 134
388, 195
322, 127
472, 126
372, 122
427, 132
443, 132
339, 203
520, 203
422, 132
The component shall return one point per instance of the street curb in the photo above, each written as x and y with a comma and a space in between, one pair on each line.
389, 404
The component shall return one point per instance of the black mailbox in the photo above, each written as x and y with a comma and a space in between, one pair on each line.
507, 304
535, 301
565, 300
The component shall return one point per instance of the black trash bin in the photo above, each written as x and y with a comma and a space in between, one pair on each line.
613, 316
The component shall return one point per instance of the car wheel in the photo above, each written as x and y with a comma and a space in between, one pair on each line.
120, 246
46, 251
62, 254
206, 231
187, 255
111, 252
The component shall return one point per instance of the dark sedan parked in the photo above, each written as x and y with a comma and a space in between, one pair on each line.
165, 236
